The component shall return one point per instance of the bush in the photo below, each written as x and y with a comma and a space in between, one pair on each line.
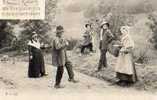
141, 55
141, 7
6, 33
153, 27
72, 44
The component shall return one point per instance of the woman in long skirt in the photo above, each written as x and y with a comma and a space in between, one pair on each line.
125, 67
36, 59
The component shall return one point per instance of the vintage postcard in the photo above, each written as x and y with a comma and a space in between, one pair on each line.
78, 49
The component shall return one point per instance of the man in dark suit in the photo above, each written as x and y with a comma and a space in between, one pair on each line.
105, 38
60, 59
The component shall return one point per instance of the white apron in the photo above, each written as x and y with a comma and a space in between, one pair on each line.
125, 61
124, 64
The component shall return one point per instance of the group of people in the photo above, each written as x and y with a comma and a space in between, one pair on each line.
120, 45
36, 67
125, 67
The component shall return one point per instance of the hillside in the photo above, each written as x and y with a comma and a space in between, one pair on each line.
146, 72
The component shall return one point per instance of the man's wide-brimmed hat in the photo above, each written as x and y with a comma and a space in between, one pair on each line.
59, 29
104, 23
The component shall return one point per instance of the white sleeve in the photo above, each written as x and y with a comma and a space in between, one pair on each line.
101, 34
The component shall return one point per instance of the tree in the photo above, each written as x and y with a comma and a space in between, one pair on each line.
41, 27
6, 32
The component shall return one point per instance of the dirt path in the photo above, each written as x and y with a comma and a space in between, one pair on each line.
15, 83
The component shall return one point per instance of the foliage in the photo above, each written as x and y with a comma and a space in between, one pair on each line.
145, 6
9, 38
39, 26
72, 44
6, 31
141, 56
153, 27
115, 13
122, 12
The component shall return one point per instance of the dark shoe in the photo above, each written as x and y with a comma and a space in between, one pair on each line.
58, 86
73, 80
122, 83
101, 68
44, 74
118, 82
130, 83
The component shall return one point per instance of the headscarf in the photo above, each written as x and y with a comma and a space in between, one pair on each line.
126, 38
125, 30
34, 43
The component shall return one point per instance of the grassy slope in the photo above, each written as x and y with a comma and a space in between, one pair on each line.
147, 73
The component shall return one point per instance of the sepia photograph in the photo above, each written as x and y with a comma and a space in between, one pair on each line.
78, 49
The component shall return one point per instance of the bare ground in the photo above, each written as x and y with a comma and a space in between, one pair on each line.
147, 74
88, 64
14, 83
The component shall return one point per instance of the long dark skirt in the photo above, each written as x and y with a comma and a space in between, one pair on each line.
128, 78
36, 64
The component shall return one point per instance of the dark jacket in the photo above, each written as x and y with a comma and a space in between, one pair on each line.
59, 56
107, 37
36, 63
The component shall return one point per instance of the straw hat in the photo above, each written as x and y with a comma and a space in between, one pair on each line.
104, 23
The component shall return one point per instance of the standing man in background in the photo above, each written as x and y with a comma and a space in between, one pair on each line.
59, 57
105, 38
